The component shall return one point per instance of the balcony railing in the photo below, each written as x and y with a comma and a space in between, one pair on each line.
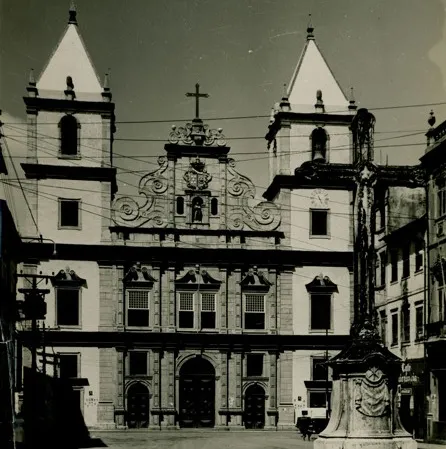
437, 329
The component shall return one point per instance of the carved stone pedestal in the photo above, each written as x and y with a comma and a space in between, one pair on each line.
364, 399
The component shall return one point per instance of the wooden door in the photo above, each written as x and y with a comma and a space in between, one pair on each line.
138, 406
254, 413
197, 401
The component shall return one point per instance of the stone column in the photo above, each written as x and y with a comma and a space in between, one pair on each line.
222, 307
271, 301
107, 388
118, 296
120, 403
156, 387
285, 387
107, 297
224, 378
168, 389
235, 407
156, 299
272, 411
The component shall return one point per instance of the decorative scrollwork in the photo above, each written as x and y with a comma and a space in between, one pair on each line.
197, 133
153, 211
262, 216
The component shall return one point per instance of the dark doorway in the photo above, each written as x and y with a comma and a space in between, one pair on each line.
197, 394
138, 406
405, 414
255, 407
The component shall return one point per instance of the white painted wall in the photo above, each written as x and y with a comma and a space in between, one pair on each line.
89, 296
339, 222
340, 304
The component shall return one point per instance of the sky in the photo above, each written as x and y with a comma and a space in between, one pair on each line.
241, 52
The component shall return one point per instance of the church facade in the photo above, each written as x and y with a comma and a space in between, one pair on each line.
188, 303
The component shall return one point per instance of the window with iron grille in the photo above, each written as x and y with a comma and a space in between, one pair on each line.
254, 365
394, 328
208, 311
441, 200
405, 323
254, 311
419, 320
320, 307
138, 363
383, 325
419, 250
67, 307
186, 310
68, 366
138, 308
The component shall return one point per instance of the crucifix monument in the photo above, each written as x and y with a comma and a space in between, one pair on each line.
365, 373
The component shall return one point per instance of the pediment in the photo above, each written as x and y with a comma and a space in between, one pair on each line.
138, 275
68, 278
196, 278
255, 280
322, 283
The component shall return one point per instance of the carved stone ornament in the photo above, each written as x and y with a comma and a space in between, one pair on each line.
263, 216
372, 397
153, 211
197, 177
197, 133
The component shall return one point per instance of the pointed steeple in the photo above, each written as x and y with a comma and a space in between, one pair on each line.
70, 58
311, 74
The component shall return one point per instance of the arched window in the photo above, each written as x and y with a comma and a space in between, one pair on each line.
68, 135
214, 206
319, 138
180, 205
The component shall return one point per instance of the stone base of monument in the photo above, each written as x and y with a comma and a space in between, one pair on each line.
364, 398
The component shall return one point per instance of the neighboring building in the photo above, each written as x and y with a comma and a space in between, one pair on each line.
434, 162
188, 304
9, 257
401, 294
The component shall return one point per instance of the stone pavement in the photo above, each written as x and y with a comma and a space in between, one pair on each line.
199, 439
206, 439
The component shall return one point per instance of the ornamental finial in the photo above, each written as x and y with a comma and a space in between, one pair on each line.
431, 120
310, 29
72, 14
352, 106
31, 79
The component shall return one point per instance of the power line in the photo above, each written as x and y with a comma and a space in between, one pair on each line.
249, 117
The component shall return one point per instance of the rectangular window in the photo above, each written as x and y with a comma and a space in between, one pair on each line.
394, 328
441, 200
406, 260
419, 250
68, 365
208, 311
254, 311
405, 323
186, 311
320, 311
67, 306
318, 223
69, 213
254, 365
383, 325
394, 266
419, 320
319, 370
138, 308
317, 399
138, 363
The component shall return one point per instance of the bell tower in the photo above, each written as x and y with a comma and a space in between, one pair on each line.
71, 121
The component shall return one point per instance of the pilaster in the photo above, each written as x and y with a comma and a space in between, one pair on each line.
156, 382
107, 388
235, 408
168, 389
156, 295
285, 387
271, 300
223, 306
107, 295
283, 143
272, 411
224, 381
120, 406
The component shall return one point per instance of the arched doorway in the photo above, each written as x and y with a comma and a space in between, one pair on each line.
138, 406
254, 413
197, 393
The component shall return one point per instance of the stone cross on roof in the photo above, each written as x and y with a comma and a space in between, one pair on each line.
197, 96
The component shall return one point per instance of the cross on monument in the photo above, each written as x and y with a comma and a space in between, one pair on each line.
197, 96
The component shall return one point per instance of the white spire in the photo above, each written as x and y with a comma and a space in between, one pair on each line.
70, 58
312, 73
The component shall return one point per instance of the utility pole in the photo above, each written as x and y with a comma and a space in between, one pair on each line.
34, 308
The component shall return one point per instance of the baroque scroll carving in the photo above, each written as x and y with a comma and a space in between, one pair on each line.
152, 212
262, 216
372, 397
